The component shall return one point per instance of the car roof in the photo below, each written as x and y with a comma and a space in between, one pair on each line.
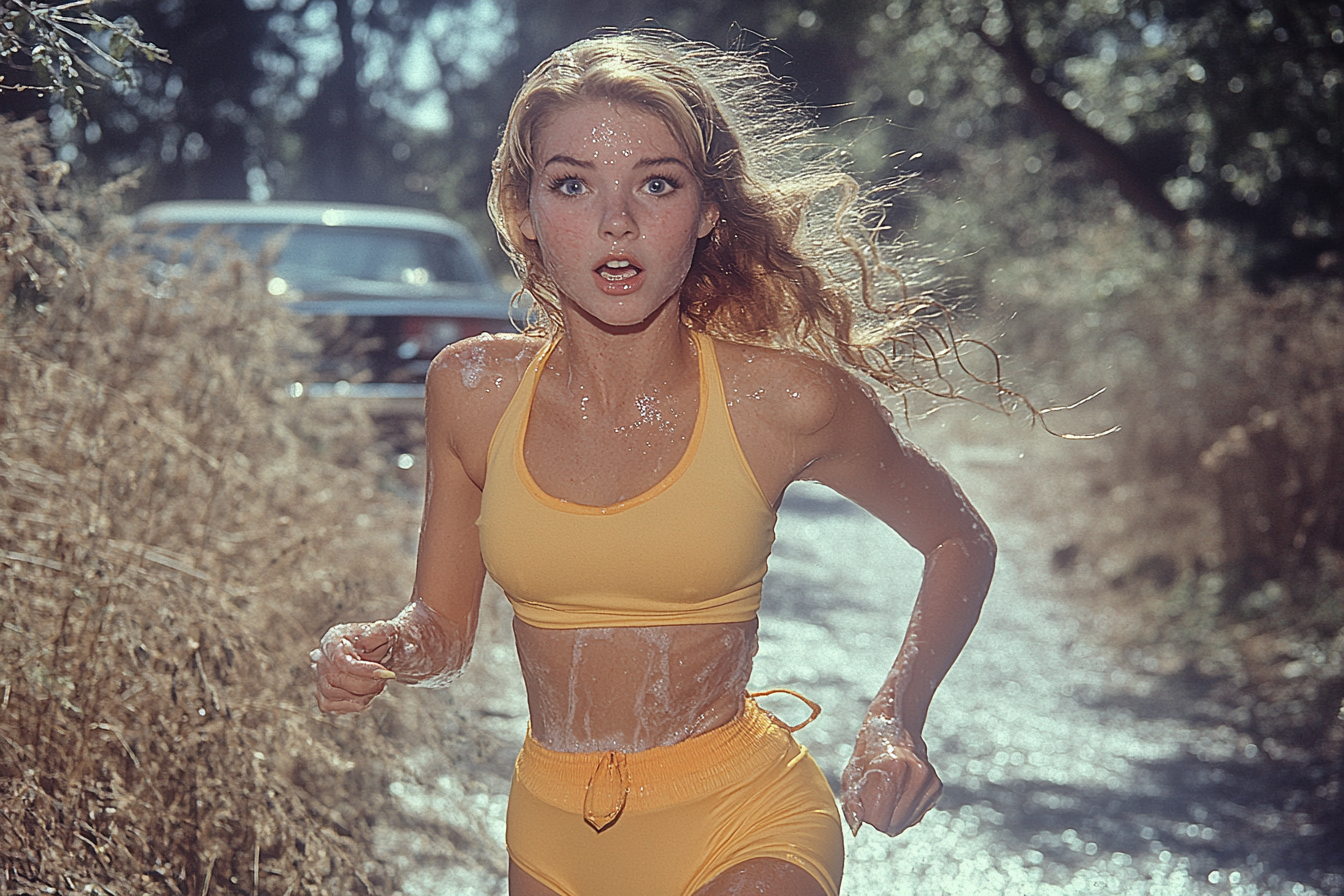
331, 214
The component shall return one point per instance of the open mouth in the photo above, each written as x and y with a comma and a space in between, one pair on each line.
616, 270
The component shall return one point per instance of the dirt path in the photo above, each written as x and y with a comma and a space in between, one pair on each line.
1065, 773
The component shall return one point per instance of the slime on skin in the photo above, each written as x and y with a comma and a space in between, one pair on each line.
763, 879
649, 701
420, 651
886, 731
423, 654
473, 366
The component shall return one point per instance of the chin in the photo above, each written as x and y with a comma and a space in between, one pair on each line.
633, 317
623, 325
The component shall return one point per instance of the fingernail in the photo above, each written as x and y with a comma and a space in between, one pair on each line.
384, 674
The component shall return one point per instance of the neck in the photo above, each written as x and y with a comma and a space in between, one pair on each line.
610, 365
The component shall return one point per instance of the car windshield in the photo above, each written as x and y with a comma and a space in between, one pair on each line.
311, 255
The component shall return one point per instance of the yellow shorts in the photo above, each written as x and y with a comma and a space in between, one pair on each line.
667, 821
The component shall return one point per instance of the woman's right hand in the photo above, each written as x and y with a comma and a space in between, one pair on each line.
349, 667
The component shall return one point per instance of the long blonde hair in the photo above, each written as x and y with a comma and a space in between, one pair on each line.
799, 257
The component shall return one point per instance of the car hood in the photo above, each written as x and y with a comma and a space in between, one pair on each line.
380, 299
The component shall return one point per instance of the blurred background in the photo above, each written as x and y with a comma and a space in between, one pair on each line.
1225, 112
1136, 196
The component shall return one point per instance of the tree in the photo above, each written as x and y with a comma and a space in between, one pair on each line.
63, 51
1227, 111
279, 98
193, 124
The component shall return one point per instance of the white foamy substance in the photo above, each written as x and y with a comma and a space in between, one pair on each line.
473, 366
633, 688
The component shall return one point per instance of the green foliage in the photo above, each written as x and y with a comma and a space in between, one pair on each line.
68, 47
1227, 111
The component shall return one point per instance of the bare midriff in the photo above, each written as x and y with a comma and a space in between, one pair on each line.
628, 689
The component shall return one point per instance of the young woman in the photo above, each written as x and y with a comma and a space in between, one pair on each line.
699, 266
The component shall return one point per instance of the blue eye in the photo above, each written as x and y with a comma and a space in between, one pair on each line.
569, 186
660, 185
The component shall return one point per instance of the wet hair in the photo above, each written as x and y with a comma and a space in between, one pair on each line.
799, 258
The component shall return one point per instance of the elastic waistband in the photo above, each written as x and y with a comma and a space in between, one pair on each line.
659, 777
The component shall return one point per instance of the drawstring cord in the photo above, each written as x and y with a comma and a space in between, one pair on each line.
605, 794
608, 787
815, 707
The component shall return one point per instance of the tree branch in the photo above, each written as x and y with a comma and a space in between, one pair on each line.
1109, 159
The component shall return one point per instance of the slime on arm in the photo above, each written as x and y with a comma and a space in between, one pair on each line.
423, 652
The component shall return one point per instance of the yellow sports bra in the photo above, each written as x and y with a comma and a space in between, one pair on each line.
692, 549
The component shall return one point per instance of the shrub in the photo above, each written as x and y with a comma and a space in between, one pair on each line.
175, 533
1216, 512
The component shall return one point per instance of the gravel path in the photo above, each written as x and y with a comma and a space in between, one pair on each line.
1064, 773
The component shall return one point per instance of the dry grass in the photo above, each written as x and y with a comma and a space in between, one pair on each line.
175, 533
1214, 519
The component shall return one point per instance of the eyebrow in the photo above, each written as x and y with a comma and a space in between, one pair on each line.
642, 163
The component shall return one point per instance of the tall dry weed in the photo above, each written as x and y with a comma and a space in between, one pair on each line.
1217, 510
175, 533
1224, 394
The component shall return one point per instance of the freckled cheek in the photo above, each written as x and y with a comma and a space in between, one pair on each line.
560, 264
559, 244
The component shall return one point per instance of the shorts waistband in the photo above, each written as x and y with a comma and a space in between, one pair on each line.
602, 784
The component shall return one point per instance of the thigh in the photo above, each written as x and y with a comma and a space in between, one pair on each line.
783, 824
773, 876
523, 884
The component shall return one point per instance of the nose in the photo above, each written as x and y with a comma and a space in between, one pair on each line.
617, 220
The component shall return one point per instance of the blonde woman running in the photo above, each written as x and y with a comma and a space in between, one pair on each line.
702, 276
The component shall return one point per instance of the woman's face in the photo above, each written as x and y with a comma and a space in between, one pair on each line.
615, 209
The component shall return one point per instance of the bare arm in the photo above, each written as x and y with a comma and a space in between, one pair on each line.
430, 641
889, 783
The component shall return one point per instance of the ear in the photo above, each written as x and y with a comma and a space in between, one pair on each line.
709, 218
526, 226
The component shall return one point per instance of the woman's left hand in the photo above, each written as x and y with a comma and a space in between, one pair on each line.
889, 782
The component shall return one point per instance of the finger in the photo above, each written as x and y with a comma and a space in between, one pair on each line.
894, 785
931, 798
903, 808
851, 806
331, 697
877, 796
852, 809
355, 667
337, 694
342, 705
357, 682
366, 637
346, 659
336, 700
344, 676
916, 803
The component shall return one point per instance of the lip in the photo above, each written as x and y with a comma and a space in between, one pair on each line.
624, 277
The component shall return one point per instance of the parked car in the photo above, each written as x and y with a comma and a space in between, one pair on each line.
385, 287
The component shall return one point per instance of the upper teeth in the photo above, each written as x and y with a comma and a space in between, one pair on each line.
618, 263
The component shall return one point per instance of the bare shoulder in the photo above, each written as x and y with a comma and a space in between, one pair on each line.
468, 387
481, 365
798, 392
